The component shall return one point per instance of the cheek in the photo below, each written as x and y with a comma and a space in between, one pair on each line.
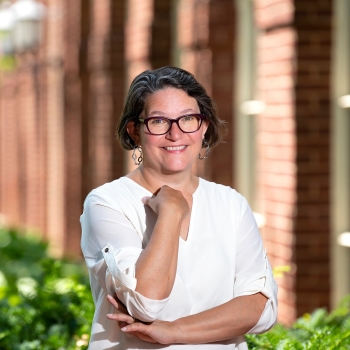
149, 140
199, 141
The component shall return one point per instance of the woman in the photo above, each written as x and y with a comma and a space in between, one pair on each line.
183, 255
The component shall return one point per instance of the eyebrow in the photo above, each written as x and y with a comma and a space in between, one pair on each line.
189, 110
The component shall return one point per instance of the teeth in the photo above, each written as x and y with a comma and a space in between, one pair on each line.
176, 148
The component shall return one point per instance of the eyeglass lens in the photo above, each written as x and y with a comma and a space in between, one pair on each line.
187, 123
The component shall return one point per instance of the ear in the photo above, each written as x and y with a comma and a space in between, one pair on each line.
133, 131
205, 126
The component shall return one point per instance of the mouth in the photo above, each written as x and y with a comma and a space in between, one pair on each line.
174, 148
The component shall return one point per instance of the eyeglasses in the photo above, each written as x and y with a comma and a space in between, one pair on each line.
161, 125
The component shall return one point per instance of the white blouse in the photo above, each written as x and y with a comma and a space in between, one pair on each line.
222, 258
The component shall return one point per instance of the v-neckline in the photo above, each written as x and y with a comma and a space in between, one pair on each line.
184, 241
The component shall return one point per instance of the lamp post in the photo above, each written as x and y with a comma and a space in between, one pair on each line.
20, 26
7, 21
26, 31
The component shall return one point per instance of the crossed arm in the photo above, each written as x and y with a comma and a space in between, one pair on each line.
226, 321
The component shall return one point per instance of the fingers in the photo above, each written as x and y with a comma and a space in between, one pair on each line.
145, 200
136, 327
121, 318
113, 301
117, 304
122, 324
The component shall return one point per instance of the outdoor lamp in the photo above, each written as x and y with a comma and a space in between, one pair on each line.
7, 20
344, 239
344, 101
26, 32
252, 107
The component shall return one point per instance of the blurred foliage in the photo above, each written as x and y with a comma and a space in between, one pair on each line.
280, 271
7, 63
318, 331
45, 303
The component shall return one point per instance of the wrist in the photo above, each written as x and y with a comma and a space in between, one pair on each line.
178, 332
167, 212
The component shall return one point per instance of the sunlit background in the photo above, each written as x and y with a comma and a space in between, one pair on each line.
279, 73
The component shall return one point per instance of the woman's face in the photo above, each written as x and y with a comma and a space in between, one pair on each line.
174, 151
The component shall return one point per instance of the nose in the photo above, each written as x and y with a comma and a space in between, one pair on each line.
174, 133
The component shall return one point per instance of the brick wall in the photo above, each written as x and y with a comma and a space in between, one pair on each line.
51, 100
293, 143
138, 43
75, 108
58, 112
118, 78
222, 43
94, 88
10, 151
162, 36
313, 113
33, 186
276, 145
23, 144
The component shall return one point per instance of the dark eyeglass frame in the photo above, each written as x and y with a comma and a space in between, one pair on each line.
176, 121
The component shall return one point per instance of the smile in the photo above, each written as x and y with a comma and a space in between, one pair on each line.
174, 148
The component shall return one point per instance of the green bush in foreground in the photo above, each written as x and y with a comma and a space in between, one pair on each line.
46, 304
318, 331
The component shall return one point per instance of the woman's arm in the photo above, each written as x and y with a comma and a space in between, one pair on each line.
156, 266
113, 251
226, 321
223, 322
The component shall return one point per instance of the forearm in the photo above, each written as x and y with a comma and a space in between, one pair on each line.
226, 321
156, 266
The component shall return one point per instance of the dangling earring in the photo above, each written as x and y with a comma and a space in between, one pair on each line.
207, 150
137, 159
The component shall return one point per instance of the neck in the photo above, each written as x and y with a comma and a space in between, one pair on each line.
185, 182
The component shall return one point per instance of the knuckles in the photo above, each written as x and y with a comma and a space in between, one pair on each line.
173, 198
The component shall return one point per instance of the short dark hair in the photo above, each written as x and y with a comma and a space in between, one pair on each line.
155, 80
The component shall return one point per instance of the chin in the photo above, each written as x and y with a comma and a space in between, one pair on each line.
175, 168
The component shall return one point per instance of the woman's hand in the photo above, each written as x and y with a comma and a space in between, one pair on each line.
168, 199
156, 332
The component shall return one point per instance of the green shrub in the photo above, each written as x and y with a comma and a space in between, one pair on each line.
318, 331
45, 303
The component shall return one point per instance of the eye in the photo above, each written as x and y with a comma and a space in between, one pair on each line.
188, 118
157, 121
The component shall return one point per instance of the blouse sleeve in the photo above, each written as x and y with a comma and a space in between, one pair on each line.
253, 271
111, 247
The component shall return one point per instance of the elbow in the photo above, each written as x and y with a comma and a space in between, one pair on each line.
138, 306
141, 307
152, 293
121, 281
266, 320
145, 312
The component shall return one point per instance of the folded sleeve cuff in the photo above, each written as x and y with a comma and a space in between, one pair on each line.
256, 279
120, 279
259, 282
267, 319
